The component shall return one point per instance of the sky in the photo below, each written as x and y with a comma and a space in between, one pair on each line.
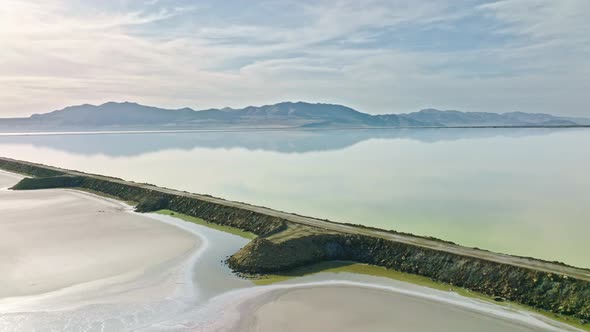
376, 56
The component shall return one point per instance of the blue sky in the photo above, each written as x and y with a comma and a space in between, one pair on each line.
376, 56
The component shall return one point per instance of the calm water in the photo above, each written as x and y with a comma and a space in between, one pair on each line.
519, 191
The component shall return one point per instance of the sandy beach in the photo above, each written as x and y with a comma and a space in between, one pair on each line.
54, 242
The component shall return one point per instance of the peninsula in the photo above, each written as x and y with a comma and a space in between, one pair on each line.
286, 241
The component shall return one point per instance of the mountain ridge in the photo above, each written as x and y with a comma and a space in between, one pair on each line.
300, 114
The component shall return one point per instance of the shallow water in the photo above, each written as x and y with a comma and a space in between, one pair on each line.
206, 296
505, 190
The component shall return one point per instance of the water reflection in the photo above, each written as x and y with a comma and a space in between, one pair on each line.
130, 144
506, 190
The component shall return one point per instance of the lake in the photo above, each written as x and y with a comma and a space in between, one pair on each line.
519, 191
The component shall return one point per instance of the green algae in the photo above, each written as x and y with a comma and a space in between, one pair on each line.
377, 271
199, 221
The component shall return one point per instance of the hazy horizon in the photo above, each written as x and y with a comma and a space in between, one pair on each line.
376, 57
287, 101
302, 165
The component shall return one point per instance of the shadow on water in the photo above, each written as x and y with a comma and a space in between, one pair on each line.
288, 141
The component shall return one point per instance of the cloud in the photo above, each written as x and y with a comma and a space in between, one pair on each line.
377, 56
542, 19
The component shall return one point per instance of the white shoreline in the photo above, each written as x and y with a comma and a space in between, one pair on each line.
119, 300
228, 308
189, 308
157, 276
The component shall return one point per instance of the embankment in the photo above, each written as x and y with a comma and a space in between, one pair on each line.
284, 243
555, 293
153, 200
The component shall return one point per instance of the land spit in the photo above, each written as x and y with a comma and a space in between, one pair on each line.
286, 241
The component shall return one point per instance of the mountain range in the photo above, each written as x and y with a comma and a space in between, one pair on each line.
130, 116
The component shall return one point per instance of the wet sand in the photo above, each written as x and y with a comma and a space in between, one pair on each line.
54, 242
353, 308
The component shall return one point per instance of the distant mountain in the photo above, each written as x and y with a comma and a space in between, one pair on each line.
132, 116
455, 118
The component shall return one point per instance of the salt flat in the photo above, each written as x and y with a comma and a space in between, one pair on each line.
355, 308
8, 179
54, 241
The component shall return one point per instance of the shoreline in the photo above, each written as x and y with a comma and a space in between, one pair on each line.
233, 311
102, 186
287, 241
346, 228
93, 227
430, 298
267, 129
192, 284
126, 301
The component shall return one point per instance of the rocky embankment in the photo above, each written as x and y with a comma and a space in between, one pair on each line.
283, 244
541, 290
153, 200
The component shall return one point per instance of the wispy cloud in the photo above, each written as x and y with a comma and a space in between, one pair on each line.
378, 56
